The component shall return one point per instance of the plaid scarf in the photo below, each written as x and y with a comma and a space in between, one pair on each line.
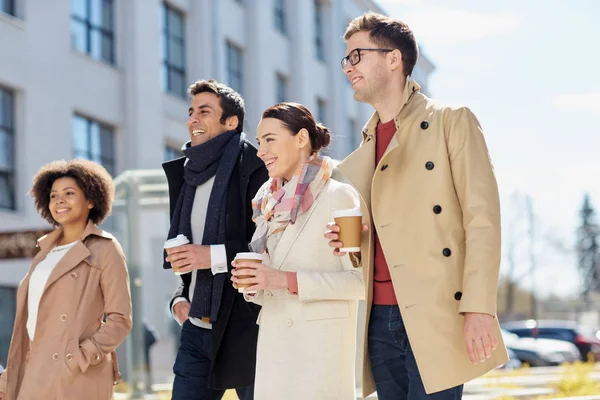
278, 204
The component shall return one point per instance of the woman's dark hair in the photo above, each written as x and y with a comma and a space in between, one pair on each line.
295, 116
95, 182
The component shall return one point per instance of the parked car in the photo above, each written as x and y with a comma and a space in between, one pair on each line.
585, 338
513, 361
540, 352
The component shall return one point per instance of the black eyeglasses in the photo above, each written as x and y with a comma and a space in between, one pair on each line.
354, 57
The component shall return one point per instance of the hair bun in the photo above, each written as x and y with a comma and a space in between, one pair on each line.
323, 137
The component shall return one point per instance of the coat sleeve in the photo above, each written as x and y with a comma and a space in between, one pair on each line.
114, 283
477, 193
346, 284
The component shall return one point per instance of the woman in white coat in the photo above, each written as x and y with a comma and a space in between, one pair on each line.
309, 297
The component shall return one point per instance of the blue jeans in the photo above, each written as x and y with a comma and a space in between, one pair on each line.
393, 362
192, 367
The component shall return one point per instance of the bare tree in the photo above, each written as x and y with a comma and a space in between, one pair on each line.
588, 256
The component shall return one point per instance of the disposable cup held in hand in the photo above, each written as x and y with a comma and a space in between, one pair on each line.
246, 257
350, 223
180, 240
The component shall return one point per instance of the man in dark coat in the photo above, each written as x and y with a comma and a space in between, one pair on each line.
210, 193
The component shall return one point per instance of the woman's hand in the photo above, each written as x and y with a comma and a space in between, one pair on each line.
258, 276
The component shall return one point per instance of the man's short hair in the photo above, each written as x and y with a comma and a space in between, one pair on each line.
230, 101
387, 32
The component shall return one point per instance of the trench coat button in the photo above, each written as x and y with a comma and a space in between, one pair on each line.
69, 357
55, 356
289, 323
96, 357
447, 252
73, 275
457, 296
63, 317
268, 293
384, 167
424, 125
429, 165
437, 209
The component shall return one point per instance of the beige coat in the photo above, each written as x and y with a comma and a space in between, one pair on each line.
307, 343
70, 357
433, 199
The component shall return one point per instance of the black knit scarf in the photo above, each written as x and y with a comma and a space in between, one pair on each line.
217, 158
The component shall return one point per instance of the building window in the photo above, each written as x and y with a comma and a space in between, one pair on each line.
281, 83
8, 7
320, 51
172, 153
279, 15
173, 51
8, 306
7, 149
321, 110
92, 28
235, 77
93, 141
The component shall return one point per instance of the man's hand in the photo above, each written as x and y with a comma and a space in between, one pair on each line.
263, 277
1, 395
332, 235
181, 310
189, 257
480, 338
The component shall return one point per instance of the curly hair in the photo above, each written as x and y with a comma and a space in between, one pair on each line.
95, 182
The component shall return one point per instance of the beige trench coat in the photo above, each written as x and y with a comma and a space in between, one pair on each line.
434, 201
70, 357
307, 342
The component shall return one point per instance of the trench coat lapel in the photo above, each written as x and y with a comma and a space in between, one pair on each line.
77, 254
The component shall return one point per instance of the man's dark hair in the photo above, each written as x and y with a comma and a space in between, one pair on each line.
95, 183
230, 101
389, 33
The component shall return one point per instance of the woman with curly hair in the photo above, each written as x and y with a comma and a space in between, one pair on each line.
74, 305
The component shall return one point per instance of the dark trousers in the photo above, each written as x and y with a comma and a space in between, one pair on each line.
192, 367
393, 362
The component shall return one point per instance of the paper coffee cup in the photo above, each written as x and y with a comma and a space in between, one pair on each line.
246, 257
350, 223
180, 240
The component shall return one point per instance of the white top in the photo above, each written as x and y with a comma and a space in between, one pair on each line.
37, 283
218, 255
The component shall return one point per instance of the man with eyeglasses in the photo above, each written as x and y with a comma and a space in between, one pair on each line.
431, 250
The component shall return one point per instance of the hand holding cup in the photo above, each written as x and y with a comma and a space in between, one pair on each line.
344, 234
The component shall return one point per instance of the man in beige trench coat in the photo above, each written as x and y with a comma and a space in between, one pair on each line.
431, 256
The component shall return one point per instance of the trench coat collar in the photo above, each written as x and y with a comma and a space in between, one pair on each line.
410, 87
48, 241
359, 166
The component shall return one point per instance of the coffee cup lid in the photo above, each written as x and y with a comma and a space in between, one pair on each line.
350, 212
180, 240
248, 256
